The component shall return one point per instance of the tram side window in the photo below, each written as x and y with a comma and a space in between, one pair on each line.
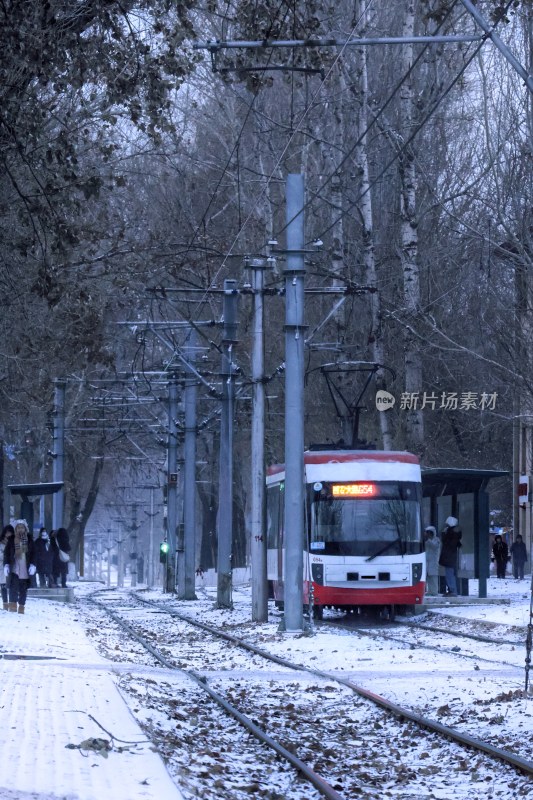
274, 515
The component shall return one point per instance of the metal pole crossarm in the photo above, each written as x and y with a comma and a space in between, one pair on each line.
215, 45
177, 290
496, 40
127, 377
341, 290
148, 325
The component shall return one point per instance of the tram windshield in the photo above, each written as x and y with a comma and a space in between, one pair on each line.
365, 519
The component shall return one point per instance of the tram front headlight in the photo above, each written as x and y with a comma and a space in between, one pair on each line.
317, 572
416, 572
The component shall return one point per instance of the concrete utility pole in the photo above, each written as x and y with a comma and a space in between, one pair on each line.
120, 562
225, 480
258, 543
58, 498
172, 485
150, 574
108, 550
186, 585
294, 405
133, 545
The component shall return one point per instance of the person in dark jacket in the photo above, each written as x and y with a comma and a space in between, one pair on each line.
60, 541
500, 552
19, 565
519, 556
7, 532
451, 542
44, 558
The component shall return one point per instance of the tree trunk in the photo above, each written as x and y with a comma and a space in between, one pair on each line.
79, 515
375, 336
409, 247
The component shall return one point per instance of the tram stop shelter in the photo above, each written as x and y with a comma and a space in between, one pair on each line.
462, 493
29, 492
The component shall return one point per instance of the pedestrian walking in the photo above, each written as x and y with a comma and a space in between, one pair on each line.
500, 552
519, 556
451, 542
44, 559
432, 546
7, 531
19, 565
60, 544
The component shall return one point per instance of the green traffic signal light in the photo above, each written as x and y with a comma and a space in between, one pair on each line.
163, 551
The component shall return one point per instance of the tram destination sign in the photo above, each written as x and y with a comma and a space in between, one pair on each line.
354, 490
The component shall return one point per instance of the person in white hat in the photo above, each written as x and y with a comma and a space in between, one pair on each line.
432, 546
19, 566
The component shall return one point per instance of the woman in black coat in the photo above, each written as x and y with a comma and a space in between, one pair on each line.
60, 541
451, 542
44, 558
500, 551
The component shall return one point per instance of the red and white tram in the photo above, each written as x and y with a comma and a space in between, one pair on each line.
363, 529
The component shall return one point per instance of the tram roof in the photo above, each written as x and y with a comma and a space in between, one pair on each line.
347, 456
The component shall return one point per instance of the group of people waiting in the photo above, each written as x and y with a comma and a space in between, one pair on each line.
25, 560
444, 553
502, 554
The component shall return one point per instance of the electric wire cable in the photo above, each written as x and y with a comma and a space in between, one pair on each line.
402, 149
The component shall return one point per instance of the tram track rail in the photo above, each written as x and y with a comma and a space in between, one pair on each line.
400, 712
381, 634
477, 637
322, 786
407, 720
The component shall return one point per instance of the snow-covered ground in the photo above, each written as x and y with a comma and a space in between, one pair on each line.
62, 694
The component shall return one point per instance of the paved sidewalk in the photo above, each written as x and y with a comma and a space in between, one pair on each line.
55, 688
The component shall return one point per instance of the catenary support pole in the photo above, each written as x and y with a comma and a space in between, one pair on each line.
258, 543
133, 546
225, 480
150, 572
172, 485
294, 405
109, 550
58, 498
186, 588
120, 562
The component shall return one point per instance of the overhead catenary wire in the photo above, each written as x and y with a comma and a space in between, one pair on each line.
407, 142
294, 131
397, 155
